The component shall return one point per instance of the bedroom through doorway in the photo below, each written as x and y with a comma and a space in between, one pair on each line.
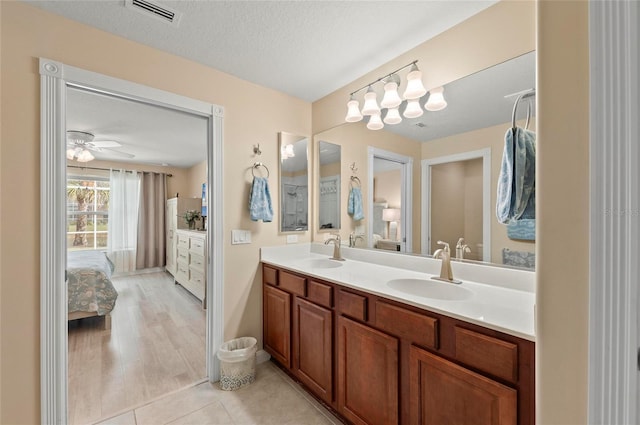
136, 266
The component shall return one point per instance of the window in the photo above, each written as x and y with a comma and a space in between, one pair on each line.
87, 212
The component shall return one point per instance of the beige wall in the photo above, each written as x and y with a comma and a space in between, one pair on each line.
196, 175
472, 207
447, 224
563, 185
387, 187
354, 140
28, 33
493, 138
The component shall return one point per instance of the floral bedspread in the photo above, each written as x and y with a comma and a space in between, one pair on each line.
89, 282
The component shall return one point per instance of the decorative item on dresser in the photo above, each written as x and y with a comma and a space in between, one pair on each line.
190, 262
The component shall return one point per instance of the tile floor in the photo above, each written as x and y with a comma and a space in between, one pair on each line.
273, 398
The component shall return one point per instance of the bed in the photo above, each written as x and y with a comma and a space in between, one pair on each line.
90, 291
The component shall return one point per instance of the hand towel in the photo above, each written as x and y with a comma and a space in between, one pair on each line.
354, 205
260, 200
516, 182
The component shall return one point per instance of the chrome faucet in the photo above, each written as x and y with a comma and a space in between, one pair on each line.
461, 248
336, 247
446, 274
353, 238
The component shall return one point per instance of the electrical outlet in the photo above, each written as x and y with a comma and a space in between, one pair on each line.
292, 238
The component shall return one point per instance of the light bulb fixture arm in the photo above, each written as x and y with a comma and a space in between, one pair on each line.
384, 77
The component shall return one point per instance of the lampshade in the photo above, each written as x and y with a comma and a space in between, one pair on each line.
391, 214
353, 111
393, 116
375, 123
413, 109
415, 89
436, 100
391, 98
370, 104
85, 156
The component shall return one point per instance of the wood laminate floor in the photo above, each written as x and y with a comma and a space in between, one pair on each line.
156, 345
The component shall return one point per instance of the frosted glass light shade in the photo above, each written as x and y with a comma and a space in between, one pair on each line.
370, 104
393, 116
71, 153
413, 110
415, 89
353, 111
391, 98
85, 156
436, 100
375, 123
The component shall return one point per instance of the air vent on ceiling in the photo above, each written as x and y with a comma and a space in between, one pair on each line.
420, 124
154, 10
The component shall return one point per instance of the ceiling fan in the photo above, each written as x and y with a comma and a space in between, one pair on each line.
80, 143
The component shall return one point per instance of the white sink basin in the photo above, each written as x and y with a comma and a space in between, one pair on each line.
320, 263
431, 289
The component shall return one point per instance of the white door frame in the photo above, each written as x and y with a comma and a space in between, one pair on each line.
614, 293
406, 196
485, 154
55, 77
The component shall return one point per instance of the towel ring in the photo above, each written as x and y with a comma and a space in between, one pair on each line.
256, 165
515, 108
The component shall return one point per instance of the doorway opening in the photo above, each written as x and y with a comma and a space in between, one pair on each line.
56, 80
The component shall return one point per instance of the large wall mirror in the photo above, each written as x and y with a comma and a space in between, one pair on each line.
329, 186
294, 183
476, 119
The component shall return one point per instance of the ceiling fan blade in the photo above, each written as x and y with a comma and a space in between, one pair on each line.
106, 144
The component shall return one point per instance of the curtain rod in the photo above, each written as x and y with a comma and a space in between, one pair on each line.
109, 169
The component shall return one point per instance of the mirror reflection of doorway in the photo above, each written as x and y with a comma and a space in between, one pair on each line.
390, 225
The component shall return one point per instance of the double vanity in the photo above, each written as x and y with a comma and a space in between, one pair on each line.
380, 342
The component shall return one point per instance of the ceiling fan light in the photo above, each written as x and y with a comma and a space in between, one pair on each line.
375, 123
71, 154
353, 111
391, 98
413, 109
415, 89
436, 101
370, 104
85, 156
393, 116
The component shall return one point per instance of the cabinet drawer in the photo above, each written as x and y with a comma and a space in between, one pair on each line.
182, 257
320, 293
352, 305
489, 354
417, 328
270, 275
197, 261
197, 245
183, 241
292, 283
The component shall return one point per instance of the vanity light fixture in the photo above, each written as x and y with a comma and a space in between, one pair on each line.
436, 100
391, 100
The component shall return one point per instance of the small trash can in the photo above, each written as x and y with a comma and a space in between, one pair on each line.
237, 363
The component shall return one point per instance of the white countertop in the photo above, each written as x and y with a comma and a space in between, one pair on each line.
494, 305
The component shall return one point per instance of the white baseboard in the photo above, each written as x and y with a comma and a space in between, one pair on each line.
262, 356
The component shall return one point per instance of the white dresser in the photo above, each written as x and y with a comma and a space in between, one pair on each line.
176, 207
191, 262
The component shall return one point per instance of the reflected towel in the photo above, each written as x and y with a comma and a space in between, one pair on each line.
517, 191
260, 200
354, 206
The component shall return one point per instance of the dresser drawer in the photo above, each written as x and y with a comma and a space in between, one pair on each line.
197, 278
486, 353
406, 324
197, 245
183, 241
320, 293
292, 283
197, 261
352, 305
183, 256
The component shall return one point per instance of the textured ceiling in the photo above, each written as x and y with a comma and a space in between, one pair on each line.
307, 49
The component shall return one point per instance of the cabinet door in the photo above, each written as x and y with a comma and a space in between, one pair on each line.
171, 238
444, 393
312, 347
367, 374
277, 324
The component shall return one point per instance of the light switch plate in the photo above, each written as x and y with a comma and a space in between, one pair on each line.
240, 237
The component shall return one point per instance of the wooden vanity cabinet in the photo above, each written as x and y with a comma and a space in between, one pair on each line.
377, 361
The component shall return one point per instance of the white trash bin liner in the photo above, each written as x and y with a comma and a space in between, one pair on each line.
237, 363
